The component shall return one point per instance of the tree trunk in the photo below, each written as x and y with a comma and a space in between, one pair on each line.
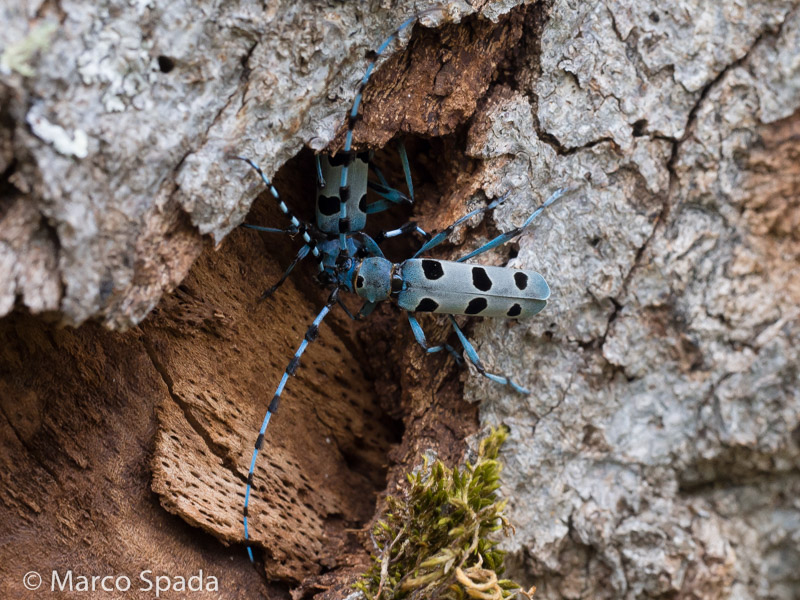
659, 453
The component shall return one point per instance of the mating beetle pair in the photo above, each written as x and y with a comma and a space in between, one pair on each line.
350, 260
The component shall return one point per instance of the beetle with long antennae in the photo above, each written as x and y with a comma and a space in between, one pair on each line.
350, 261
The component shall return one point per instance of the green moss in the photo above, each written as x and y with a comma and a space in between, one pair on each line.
440, 539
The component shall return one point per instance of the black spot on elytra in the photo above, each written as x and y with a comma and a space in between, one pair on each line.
427, 305
432, 269
521, 280
480, 279
362, 204
328, 206
514, 311
476, 306
359, 282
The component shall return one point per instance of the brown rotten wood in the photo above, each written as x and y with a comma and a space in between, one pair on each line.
94, 419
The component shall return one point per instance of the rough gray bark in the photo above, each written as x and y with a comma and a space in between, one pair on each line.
121, 116
659, 453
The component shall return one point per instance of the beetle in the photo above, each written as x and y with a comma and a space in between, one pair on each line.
455, 288
349, 260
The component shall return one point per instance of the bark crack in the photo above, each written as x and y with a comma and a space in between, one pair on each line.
673, 176
701, 488
557, 404
193, 422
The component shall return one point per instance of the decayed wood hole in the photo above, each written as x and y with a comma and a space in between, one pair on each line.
100, 427
434, 85
93, 419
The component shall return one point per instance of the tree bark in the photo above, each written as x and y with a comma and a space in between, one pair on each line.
659, 453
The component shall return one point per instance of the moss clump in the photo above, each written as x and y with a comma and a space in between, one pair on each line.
436, 541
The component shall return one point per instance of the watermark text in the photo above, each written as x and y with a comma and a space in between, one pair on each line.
145, 581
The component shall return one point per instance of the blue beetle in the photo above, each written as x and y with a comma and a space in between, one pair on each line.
349, 260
